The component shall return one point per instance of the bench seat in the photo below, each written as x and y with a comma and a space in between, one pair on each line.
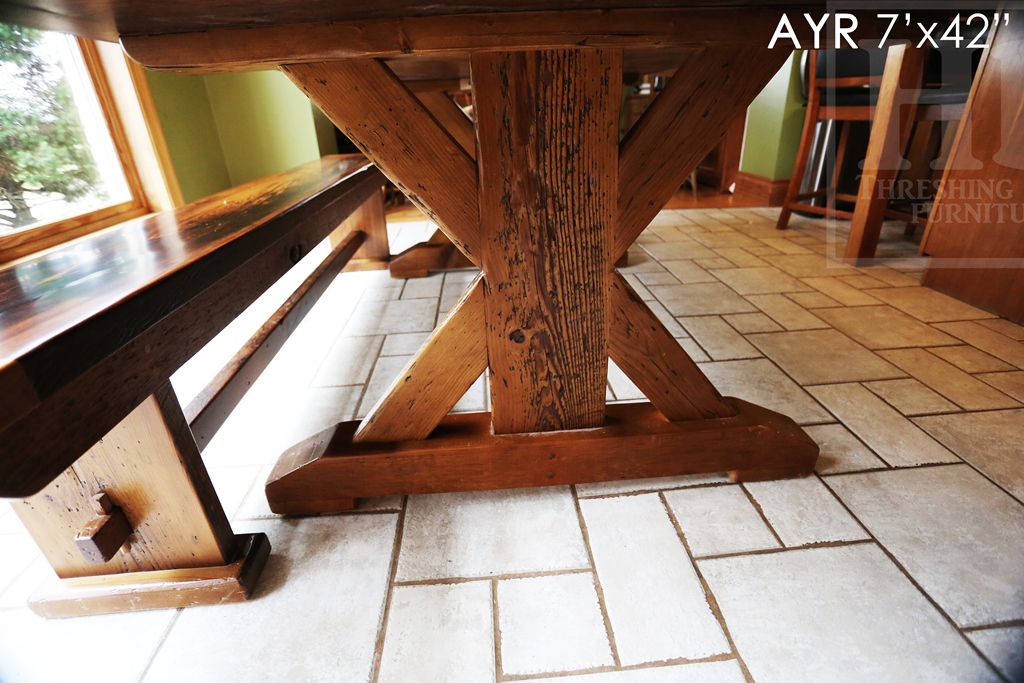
89, 329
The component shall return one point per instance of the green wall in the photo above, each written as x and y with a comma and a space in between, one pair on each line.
775, 120
191, 132
227, 129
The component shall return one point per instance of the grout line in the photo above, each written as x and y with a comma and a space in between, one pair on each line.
784, 549
708, 595
760, 511
159, 645
454, 580
661, 664
1013, 623
378, 650
934, 603
499, 673
597, 580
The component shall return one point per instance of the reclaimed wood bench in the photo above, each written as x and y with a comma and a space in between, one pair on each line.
92, 438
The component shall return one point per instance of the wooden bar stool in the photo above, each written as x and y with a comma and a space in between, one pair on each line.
848, 86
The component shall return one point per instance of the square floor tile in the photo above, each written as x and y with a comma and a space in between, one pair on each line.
717, 520
439, 633
958, 535
787, 313
883, 327
391, 317
1011, 330
703, 672
841, 292
928, 305
321, 594
680, 249
841, 451
746, 323
990, 341
808, 265
760, 381
607, 488
700, 299
349, 361
804, 512
813, 300
1010, 383
822, 357
952, 382
991, 441
760, 281
910, 397
970, 359
836, 615
551, 624
490, 533
654, 599
890, 435
718, 338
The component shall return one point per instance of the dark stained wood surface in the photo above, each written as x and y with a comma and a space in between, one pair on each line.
641, 32
89, 329
107, 19
547, 132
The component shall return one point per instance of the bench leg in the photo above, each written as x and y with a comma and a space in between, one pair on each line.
135, 524
375, 252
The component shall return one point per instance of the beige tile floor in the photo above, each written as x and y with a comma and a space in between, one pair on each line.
901, 560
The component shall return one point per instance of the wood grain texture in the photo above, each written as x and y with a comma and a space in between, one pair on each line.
158, 589
370, 219
645, 350
463, 454
451, 359
451, 117
207, 412
547, 129
890, 134
620, 24
977, 247
150, 467
684, 123
94, 337
375, 110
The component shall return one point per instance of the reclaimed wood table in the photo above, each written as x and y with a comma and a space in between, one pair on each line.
544, 204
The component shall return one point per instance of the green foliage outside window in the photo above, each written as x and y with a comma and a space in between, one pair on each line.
43, 148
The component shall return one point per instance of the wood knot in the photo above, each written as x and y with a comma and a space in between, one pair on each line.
517, 336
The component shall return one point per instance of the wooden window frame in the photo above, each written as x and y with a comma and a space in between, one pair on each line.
128, 108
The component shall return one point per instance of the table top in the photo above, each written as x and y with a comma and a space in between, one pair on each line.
109, 19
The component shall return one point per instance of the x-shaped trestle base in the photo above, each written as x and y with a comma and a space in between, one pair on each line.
545, 206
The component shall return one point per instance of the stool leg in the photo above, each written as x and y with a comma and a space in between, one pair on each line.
894, 116
804, 151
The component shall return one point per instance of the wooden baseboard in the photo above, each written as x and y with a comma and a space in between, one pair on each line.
764, 191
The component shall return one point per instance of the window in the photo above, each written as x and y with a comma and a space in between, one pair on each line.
79, 147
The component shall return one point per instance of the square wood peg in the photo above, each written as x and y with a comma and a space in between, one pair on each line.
101, 538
